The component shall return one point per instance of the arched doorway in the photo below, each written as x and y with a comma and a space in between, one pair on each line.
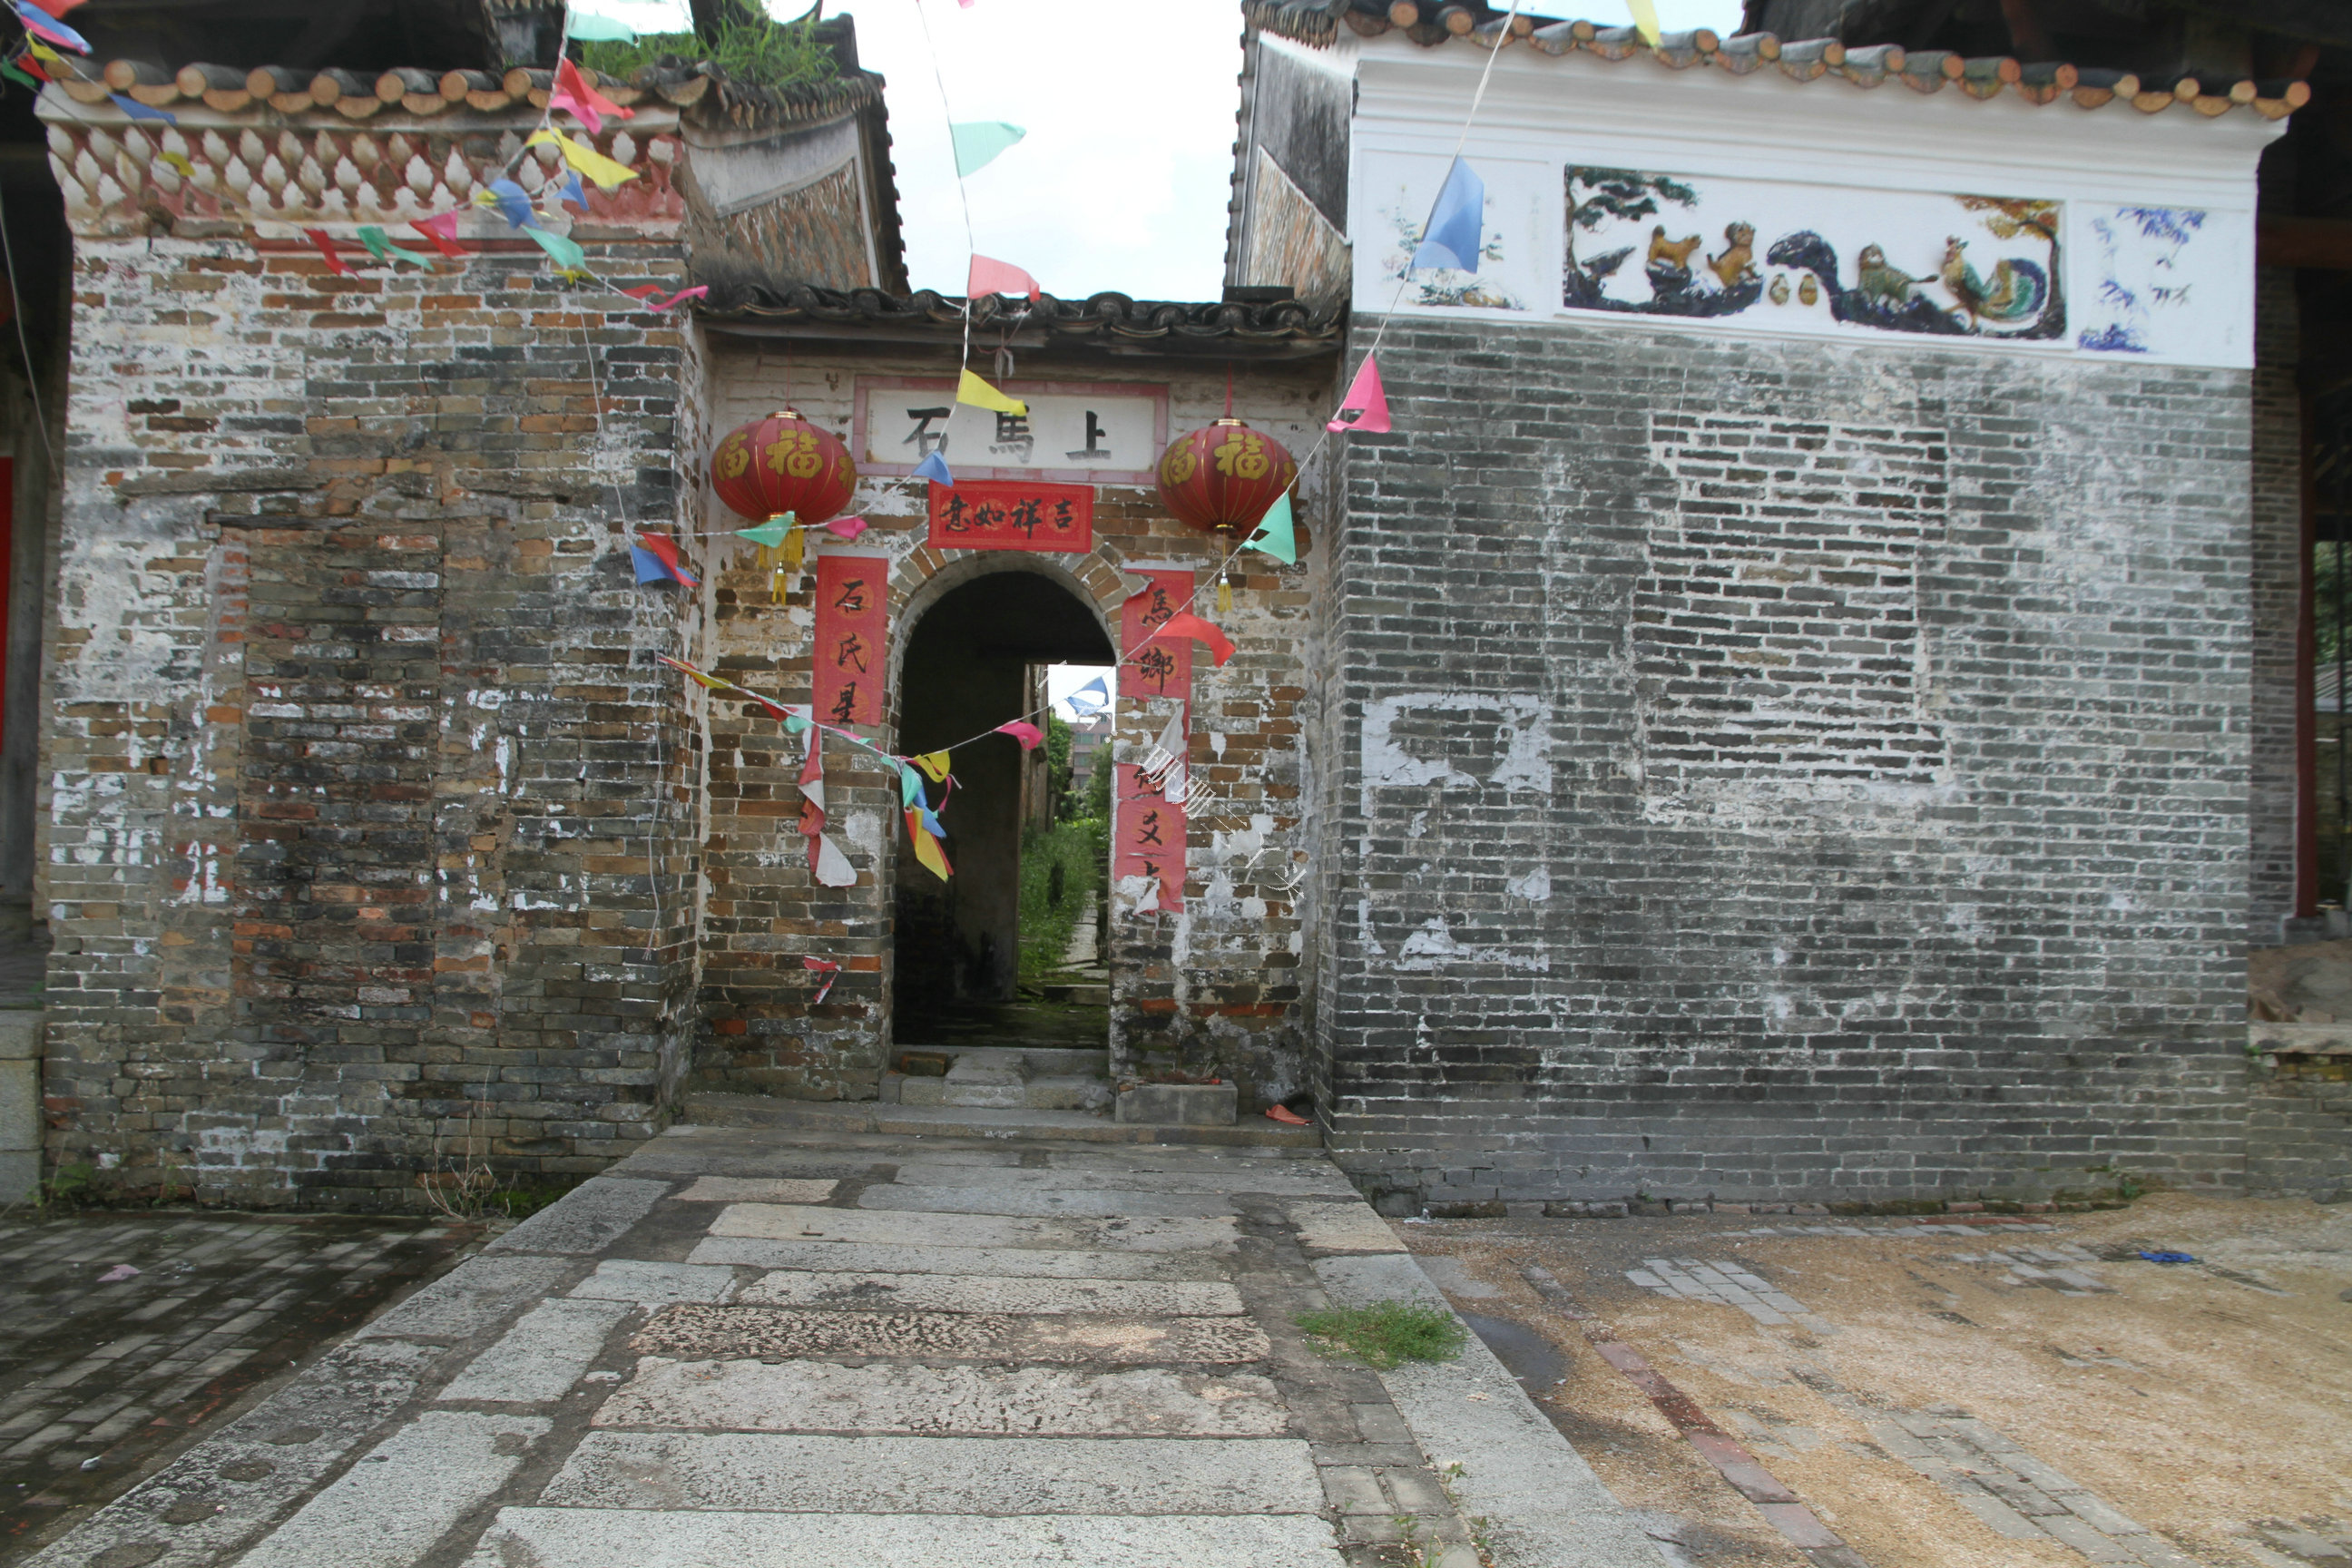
971, 662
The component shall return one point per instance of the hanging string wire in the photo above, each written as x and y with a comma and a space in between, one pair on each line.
963, 198
25, 344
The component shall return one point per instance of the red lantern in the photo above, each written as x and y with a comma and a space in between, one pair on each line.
1224, 476
783, 464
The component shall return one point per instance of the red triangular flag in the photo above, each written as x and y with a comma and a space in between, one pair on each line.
664, 548
326, 244
441, 230
1184, 624
1366, 401
573, 94
57, 7
990, 276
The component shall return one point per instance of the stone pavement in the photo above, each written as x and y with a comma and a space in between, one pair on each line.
754, 1347
124, 1332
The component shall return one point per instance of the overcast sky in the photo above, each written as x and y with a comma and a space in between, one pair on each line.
1122, 181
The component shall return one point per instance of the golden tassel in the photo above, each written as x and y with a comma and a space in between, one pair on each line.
792, 548
1224, 596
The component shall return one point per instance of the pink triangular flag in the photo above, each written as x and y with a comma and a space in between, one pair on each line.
990, 276
441, 228
573, 95
1366, 401
1029, 736
847, 527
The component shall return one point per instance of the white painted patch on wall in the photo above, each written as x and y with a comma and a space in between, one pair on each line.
1534, 886
1393, 759
1434, 947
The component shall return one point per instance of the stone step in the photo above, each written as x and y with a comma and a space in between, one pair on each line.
1084, 994
806, 1473
965, 1121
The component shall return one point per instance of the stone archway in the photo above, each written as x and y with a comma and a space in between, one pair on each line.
966, 642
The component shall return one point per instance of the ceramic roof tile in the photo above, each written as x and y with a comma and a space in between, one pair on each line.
1432, 25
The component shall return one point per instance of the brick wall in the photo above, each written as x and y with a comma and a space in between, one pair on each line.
2277, 588
363, 829
1918, 865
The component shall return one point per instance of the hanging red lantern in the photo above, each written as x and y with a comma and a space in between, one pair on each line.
783, 464
1224, 476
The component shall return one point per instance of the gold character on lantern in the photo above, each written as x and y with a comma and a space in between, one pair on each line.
1177, 466
1244, 455
733, 458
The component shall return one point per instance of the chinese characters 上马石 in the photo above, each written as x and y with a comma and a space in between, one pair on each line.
1094, 451
1014, 437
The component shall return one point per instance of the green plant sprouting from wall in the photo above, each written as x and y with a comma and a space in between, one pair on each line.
752, 50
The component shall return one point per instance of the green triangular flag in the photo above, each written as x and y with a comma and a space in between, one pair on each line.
1274, 533
380, 245
978, 143
599, 29
13, 74
771, 533
566, 254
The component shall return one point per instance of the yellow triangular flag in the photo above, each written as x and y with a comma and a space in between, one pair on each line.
587, 160
1645, 20
979, 394
935, 764
926, 849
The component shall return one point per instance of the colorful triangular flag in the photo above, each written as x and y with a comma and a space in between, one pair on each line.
511, 200
575, 97
594, 29
978, 143
1029, 736
970, 389
587, 159
831, 867
847, 527
1276, 535
1090, 699
927, 849
990, 276
137, 110
664, 548
1454, 233
42, 25
326, 244
910, 785
933, 763
1366, 406
380, 245
441, 228
565, 253
1184, 624
826, 967
1645, 20
934, 467
771, 533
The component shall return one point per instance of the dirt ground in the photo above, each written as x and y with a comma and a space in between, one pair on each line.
2209, 1403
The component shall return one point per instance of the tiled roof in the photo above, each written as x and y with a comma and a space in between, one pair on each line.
1431, 25
1285, 326
360, 95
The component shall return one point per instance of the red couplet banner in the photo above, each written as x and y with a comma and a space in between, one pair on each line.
852, 631
1013, 514
1151, 836
1165, 669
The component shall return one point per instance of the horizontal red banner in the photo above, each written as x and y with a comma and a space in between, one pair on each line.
1008, 514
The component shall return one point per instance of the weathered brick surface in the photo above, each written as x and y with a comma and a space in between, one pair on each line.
2277, 587
1565, 957
364, 831
2299, 1133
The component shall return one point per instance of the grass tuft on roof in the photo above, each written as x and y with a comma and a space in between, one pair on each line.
751, 51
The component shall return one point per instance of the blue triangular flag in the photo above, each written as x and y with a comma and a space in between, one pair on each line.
649, 566
1451, 236
513, 202
137, 110
978, 142
1091, 698
574, 192
931, 824
934, 467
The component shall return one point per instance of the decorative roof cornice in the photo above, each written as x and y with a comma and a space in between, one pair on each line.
1284, 328
1316, 23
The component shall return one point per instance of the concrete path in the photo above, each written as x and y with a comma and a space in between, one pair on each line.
757, 1349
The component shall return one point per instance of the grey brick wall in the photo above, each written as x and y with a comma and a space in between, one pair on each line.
2278, 568
1898, 849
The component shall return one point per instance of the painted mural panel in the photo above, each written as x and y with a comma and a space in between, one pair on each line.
1400, 190
1812, 258
2159, 280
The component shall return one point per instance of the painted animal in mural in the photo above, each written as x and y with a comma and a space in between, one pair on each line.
1672, 255
1878, 281
1737, 265
2014, 293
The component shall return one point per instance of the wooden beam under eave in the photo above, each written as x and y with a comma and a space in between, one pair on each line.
2324, 243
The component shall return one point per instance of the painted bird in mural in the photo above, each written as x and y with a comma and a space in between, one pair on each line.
1673, 253
1601, 267
1880, 281
2015, 292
